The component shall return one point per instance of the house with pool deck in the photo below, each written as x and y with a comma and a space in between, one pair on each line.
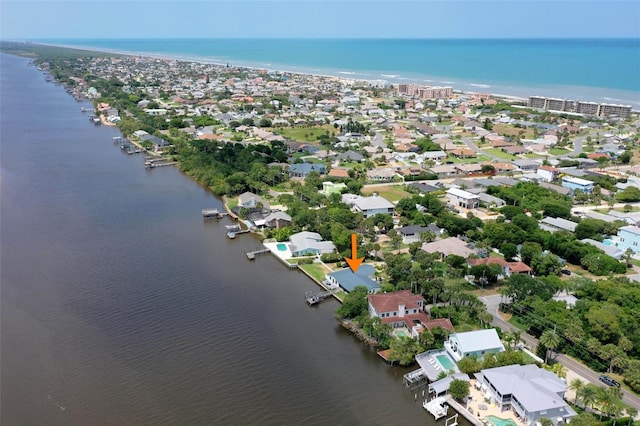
476, 343
530, 391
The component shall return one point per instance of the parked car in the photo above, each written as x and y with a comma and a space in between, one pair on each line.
565, 271
609, 381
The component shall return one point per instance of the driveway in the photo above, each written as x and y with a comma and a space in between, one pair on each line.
474, 147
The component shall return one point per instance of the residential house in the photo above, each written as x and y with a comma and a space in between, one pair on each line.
629, 237
463, 153
554, 224
514, 149
490, 200
411, 233
441, 387
444, 170
526, 164
381, 174
309, 243
508, 268
250, 200
574, 183
548, 173
369, 206
459, 198
348, 280
447, 246
612, 251
433, 155
423, 187
468, 169
277, 220
351, 156
302, 170
329, 188
403, 309
339, 173
530, 391
477, 343
557, 188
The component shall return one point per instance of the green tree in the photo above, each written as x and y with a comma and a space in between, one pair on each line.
629, 195
469, 365
355, 303
459, 389
404, 349
576, 386
550, 340
544, 421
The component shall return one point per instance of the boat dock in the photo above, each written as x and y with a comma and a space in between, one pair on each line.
415, 379
233, 230
437, 407
313, 298
252, 254
212, 214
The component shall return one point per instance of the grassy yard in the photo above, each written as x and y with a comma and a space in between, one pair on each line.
316, 270
558, 151
305, 134
509, 130
532, 155
392, 193
499, 153
478, 159
232, 202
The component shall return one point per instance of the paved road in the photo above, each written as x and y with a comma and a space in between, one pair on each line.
493, 303
577, 147
474, 147
378, 140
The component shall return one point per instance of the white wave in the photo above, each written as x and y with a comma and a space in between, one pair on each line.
389, 75
346, 72
479, 85
447, 82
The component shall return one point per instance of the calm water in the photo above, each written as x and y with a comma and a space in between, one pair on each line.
121, 306
579, 69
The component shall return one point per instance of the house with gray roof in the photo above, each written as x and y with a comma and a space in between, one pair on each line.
348, 280
490, 200
554, 224
531, 392
309, 243
411, 233
526, 164
351, 156
251, 201
369, 206
302, 170
476, 343
441, 387
612, 251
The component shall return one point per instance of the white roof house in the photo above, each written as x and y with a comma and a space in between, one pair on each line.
369, 206
530, 391
476, 343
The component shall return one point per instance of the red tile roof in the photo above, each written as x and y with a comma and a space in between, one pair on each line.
388, 302
517, 267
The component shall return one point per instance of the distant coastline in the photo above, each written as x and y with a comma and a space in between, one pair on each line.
488, 83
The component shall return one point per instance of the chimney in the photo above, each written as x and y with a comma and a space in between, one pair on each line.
401, 310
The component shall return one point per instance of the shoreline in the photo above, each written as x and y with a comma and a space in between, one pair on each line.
496, 89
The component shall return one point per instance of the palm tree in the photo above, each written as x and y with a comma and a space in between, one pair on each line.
550, 340
588, 395
576, 385
560, 370
632, 413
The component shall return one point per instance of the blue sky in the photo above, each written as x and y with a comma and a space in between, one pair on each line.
31, 19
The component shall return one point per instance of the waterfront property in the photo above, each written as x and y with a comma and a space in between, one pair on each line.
348, 280
404, 311
531, 392
432, 363
476, 343
309, 243
441, 387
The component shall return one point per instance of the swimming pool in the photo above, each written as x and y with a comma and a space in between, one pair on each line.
281, 247
497, 421
607, 242
446, 362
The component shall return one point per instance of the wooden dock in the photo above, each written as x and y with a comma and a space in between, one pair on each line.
252, 254
232, 234
314, 298
437, 407
212, 214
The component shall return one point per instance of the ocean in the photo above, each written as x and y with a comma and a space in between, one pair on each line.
119, 305
602, 70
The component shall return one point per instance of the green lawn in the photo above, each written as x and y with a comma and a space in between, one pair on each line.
231, 202
316, 270
499, 153
478, 159
392, 193
558, 151
515, 321
532, 155
305, 134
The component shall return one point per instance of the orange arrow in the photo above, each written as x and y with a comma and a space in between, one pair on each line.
354, 262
